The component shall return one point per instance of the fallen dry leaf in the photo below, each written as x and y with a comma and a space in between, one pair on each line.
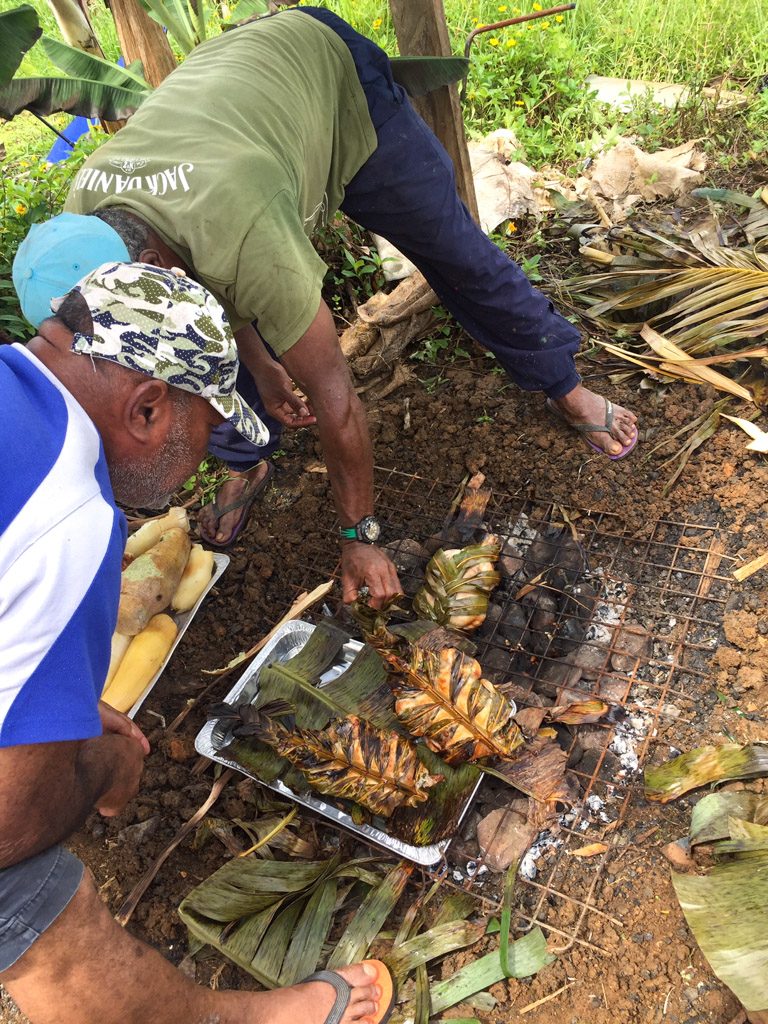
590, 850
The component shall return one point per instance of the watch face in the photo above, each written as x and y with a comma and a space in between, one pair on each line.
370, 530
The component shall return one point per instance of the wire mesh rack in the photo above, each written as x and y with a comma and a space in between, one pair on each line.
644, 617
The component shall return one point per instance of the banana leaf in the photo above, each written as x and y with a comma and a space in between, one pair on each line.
538, 770
79, 64
350, 758
726, 910
176, 17
703, 766
526, 956
370, 918
457, 585
272, 918
430, 945
78, 96
19, 30
710, 818
441, 696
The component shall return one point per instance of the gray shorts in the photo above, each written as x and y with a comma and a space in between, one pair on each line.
32, 895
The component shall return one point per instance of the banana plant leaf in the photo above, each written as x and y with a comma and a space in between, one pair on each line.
350, 758
710, 818
441, 696
272, 918
538, 770
79, 64
19, 30
457, 585
379, 903
526, 957
81, 97
703, 766
726, 910
175, 16
422, 75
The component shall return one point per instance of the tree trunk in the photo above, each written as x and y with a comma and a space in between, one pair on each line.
422, 31
74, 26
142, 39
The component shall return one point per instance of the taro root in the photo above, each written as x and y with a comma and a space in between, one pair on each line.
457, 584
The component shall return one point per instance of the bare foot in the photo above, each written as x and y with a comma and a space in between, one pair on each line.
311, 1002
232, 488
583, 406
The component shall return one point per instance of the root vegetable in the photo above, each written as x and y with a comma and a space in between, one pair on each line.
119, 647
149, 582
146, 653
150, 533
194, 580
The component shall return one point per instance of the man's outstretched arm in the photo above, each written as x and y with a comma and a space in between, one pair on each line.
318, 366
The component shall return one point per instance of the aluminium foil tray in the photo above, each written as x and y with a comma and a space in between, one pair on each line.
288, 641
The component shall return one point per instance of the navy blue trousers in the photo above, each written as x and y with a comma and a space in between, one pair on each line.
406, 191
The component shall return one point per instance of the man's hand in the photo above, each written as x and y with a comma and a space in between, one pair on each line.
280, 399
366, 565
125, 781
117, 722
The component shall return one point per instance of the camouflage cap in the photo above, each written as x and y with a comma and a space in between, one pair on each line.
168, 326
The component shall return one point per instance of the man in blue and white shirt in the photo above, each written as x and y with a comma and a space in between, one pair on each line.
119, 392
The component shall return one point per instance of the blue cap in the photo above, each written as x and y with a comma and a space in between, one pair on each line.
56, 254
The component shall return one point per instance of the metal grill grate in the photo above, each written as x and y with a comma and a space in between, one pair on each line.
671, 582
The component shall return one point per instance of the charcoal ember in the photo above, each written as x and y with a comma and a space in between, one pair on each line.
513, 625
612, 689
523, 695
556, 674
591, 757
591, 659
410, 559
497, 664
492, 618
594, 737
558, 555
631, 647
543, 619
577, 605
448, 538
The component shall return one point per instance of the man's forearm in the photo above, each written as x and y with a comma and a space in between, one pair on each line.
251, 350
48, 806
349, 458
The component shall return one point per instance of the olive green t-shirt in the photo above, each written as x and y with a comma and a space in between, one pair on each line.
236, 158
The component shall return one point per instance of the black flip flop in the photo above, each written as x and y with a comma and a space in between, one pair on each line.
250, 493
344, 990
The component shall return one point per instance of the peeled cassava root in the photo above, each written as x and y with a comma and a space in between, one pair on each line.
194, 579
150, 581
145, 654
150, 533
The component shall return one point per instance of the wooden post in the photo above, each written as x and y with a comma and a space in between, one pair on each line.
142, 39
422, 31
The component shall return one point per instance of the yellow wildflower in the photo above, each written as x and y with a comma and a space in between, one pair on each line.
511, 228
538, 7
558, 18
377, 23
519, 103
21, 209
493, 41
23, 163
502, 8
512, 41
516, 10
545, 24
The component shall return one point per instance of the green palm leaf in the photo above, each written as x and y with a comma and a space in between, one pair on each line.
79, 64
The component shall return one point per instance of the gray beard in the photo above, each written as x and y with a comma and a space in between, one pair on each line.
146, 484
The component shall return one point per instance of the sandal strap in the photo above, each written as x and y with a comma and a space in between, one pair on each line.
598, 428
343, 992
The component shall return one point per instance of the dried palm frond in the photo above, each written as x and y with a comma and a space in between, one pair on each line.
442, 696
714, 296
457, 584
349, 759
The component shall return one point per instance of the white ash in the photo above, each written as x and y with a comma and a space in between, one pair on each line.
519, 536
594, 803
529, 864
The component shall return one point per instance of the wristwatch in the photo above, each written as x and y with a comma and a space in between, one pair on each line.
368, 530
